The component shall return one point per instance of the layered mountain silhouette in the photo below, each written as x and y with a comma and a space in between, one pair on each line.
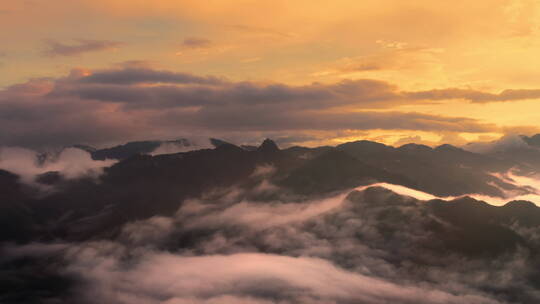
130, 149
141, 185
411, 235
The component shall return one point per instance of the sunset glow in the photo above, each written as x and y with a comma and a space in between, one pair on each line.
473, 64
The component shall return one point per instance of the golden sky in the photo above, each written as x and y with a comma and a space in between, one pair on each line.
418, 46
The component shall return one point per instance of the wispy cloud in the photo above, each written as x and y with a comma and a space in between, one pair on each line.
196, 43
259, 30
79, 46
69, 163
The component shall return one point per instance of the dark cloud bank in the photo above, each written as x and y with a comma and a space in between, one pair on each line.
263, 225
106, 106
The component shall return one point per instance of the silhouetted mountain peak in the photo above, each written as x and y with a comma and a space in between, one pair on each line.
467, 200
449, 148
366, 145
520, 205
415, 148
532, 140
268, 145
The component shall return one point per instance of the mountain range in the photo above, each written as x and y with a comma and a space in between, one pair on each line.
169, 192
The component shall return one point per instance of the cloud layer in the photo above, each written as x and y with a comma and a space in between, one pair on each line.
244, 278
229, 248
110, 105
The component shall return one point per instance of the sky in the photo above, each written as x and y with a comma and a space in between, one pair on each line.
302, 72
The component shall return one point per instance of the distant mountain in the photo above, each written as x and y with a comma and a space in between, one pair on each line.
142, 185
522, 150
336, 170
127, 150
295, 203
268, 146
532, 140
444, 171
465, 226
134, 148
